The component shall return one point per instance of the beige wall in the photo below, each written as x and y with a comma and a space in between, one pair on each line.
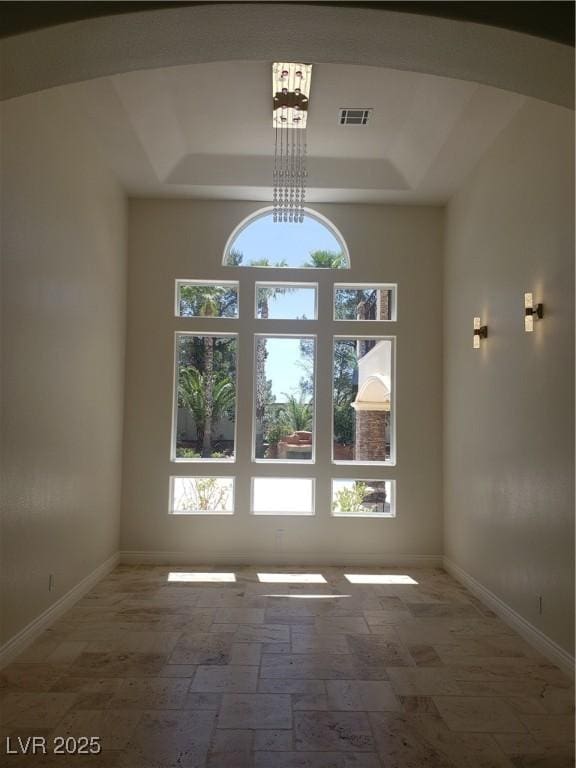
63, 219
183, 239
508, 407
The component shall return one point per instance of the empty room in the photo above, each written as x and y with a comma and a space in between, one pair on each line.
287, 385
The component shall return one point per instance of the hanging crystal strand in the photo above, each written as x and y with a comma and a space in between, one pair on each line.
292, 177
275, 177
281, 179
304, 177
286, 168
298, 175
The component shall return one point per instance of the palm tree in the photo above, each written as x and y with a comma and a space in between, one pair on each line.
326, 260
297, 414
192, 396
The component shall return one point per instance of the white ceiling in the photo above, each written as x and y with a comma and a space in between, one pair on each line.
205, 131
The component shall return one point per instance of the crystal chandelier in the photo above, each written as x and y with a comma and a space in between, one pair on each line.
291, 94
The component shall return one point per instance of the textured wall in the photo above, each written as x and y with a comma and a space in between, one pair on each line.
181, 239
509, 412
63, 269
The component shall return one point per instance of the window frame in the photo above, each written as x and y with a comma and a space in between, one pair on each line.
174, 436
218, 283
393, 287
288, 513
392, 461
373, 515
172, 511
263, 212
286, 284
284, 462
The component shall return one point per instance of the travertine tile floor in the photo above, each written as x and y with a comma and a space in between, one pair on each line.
176, 674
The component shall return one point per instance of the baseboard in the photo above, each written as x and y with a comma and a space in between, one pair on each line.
19, 642
529, 632
139, 557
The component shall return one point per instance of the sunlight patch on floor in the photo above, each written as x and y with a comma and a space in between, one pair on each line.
379, 578
310, 597
291, 578
182, 576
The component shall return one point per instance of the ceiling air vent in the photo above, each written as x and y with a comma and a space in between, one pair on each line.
348, 116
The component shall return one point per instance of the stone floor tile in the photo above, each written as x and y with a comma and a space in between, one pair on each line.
292, 685
239, 741
333, 731
309, 666
215, 679
341, 625
265, 633
273, 741
171, 738
425, 656
315, 760
35, 710
401, 745
255, 711
202, 648
153, 693
114, 727
362, 696
475, 714
314, 643
246, 654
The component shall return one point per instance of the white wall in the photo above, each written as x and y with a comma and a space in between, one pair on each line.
508, 407
63, 261
171, 239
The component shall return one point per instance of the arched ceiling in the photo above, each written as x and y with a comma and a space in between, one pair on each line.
321, 33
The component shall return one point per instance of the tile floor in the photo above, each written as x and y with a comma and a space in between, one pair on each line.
244, 674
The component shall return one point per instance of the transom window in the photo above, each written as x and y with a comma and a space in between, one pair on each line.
261, 242
306, 367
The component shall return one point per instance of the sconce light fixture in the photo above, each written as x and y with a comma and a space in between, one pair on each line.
531, 311
480, 332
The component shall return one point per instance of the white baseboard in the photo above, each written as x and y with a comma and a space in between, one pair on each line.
529, 632
135, 557
19, 642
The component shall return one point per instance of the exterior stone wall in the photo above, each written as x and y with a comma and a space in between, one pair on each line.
370, 435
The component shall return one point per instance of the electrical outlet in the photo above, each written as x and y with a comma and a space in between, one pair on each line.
51, 582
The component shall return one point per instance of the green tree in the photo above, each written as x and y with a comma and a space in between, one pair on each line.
296, 413
193, 300
192, 391
322, 259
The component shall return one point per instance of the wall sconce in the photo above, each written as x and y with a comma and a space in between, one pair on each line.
531, 311
480, 332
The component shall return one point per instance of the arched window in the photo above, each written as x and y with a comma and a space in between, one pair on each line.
286, 384
261, 242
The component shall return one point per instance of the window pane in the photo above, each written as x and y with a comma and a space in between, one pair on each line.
362, 399
262, 242
285, 301
202, 495
364, 302
198, 298
362, 498
284, 398
206, 396
282, 496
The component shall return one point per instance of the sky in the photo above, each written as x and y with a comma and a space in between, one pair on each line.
282, 367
